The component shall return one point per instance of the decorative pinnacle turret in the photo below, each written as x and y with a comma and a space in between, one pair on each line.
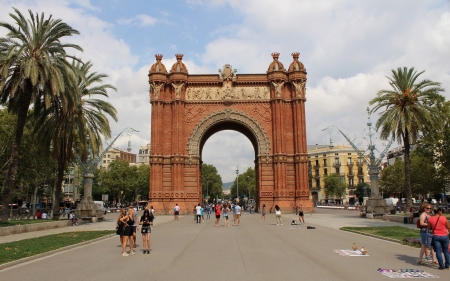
158, 56
179, 56
295, 55
275, 55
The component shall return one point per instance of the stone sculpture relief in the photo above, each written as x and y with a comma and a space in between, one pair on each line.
177, 89
156, 89
300, 89
278, 88
240, 93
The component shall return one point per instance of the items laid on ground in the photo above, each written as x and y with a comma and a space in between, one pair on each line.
406, 273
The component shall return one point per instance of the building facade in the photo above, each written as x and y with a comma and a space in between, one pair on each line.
116, 154
341, 160
144, 155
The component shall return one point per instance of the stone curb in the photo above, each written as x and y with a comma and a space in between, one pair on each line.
374, 236
9, 264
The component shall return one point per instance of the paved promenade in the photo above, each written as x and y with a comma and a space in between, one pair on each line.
256, 249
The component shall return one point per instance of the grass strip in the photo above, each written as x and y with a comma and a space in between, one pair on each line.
29, 247
398, 233
20, 222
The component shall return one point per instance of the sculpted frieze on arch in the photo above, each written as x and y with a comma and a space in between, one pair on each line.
228, 115
228, 92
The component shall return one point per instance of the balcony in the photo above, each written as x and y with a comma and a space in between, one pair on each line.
350, 164
317, 166
359, 164
350, 175
337, 165
317, 176
360, 175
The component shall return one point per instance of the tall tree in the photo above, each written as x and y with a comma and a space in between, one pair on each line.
211, 181
409, 109
335, 186
69, 129
392, 180
247, 183
32, 65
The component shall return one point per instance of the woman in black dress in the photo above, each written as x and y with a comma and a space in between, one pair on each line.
128, 221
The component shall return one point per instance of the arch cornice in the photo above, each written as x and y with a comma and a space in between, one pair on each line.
228, 115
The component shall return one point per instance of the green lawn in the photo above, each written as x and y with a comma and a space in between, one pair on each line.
30, 221
29, 247
399, 233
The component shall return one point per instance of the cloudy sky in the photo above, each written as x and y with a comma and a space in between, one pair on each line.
347, 47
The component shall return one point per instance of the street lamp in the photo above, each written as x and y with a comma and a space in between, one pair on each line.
237, 182
207, 191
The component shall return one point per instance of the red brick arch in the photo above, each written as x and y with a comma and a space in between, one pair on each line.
267, 108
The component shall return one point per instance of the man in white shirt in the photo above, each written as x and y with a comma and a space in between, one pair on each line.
237, 214
44, 215
199, 213
176, 211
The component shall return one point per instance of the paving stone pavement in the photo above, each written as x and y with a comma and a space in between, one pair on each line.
256, 249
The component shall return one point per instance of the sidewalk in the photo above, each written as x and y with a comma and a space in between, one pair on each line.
109, 223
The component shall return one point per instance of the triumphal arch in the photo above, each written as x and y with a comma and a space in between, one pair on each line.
268, 108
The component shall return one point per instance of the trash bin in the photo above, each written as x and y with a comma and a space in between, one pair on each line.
405, 220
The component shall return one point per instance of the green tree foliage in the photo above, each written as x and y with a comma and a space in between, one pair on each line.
67, 130
362, 190
435, 147
392, 178
409, 109
211, 182
120, 177
335, 186
247, 184
33, 66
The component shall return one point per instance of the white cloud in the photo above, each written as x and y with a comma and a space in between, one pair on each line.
141, 20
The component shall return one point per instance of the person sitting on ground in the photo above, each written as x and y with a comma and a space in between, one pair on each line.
39, 215
44, 215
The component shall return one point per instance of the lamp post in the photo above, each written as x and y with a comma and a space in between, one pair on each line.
207, 191
237, 182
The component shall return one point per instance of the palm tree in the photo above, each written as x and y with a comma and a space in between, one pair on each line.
67, 130
32, 65
409, 109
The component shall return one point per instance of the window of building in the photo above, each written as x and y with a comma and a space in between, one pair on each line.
359, 160
350, 182
336, 160
109, 156
325, 171
337, 171
349, 160
104, 161
317, 162
318, 183
350, 172
336, 154
325, 162
324, 155
360, 171
361, 180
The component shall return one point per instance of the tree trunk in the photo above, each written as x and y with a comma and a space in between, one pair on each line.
407, 172
13, 166
59, 180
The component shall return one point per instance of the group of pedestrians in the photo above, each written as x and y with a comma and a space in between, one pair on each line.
298, 211
128, 223
434, 234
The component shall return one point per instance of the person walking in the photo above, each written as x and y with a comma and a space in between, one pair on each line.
425, 233
128, 232
225, 210
278, 215
208, 211
176, 211
301, 216
440, 228
202, 212
217, 212
263, 212
198, 211
146, 221
296, 208
237, 214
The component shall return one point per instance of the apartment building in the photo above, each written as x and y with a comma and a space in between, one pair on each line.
341, 160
